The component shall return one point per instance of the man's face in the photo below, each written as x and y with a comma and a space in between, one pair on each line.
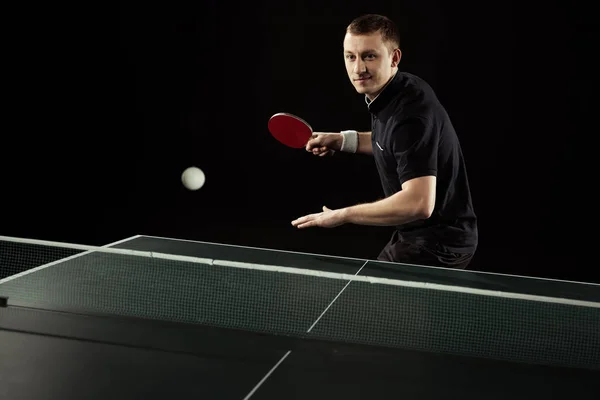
369, 63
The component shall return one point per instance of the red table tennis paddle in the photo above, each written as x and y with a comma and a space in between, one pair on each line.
290, 130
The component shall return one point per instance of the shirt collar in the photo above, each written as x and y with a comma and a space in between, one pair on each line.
387, 93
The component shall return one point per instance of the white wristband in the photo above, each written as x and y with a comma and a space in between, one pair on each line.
349, 141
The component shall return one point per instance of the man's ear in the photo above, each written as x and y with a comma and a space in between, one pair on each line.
396, 57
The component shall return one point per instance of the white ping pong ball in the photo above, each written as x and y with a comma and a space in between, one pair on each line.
193, 178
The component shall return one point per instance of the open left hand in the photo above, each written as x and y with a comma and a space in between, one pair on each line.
326, 219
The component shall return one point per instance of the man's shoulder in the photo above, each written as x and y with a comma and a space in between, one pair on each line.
413, 87
415, 96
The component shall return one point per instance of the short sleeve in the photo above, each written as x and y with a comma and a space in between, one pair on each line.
415, 145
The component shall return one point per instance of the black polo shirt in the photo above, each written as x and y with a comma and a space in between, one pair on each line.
412, 136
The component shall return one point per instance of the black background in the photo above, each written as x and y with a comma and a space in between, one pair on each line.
107, 105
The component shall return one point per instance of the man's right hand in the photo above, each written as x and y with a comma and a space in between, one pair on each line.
322, 144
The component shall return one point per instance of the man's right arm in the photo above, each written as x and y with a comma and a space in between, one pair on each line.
365, 145
323, 143
356, 142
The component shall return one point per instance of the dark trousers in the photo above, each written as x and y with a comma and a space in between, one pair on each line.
397, 250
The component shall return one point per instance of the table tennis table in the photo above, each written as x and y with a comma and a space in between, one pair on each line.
151, 317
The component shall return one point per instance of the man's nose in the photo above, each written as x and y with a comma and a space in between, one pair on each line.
359, 66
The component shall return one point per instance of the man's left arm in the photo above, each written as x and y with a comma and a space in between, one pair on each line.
415, 201
415, 148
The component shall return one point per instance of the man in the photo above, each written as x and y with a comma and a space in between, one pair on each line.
416, 152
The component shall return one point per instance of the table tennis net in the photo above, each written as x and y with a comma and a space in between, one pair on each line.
299, 302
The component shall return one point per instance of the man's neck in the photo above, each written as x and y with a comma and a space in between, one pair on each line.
370, 100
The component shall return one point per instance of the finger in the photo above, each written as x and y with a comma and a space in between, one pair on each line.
307, 224
307, 220
315, 140
300, 220
326, 209
313, 148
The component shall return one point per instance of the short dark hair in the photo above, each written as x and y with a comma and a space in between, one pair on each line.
371, 23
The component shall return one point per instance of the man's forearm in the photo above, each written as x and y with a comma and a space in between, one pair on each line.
401, 208
364, 143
